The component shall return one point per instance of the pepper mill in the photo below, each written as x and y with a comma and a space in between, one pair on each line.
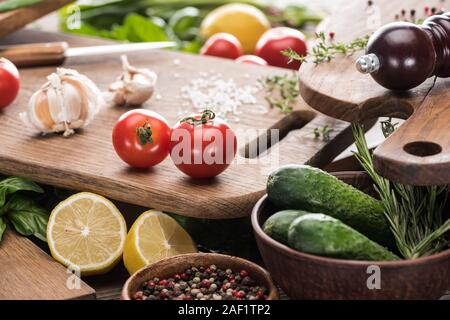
402, 55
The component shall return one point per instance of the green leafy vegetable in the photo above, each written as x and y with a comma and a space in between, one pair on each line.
185, 23
16, 4
14, 184
26, 217
19, 210
137, 28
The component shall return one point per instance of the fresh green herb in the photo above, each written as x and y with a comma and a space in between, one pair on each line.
137, 28
20, 211
9, 5
281, 91
327, 49
388, 127
13, 184
415, 214
323, 132
27, 218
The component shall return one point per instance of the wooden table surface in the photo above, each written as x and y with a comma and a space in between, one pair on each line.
87, 161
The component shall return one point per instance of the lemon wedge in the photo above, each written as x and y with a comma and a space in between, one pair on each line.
153, 237
87, 233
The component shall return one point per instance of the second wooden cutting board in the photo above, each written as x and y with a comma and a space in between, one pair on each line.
87, 161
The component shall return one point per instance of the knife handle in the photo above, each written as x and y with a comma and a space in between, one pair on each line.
36, 54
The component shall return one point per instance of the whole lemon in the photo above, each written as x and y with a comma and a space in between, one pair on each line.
245, 22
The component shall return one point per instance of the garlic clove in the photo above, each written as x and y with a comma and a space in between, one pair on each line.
66, 102
134, 87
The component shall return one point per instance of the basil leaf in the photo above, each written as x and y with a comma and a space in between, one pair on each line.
26, 217
2, 227
14, 184
137, 28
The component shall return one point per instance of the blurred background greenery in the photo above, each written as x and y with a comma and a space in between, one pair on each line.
177, 20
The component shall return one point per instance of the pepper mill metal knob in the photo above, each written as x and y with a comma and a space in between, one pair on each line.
402, 55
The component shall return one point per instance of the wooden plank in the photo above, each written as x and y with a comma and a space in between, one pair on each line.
418, 152
87, 161
28, 273
13, 20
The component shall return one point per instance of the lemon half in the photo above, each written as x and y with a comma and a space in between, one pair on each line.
87, 233
153, 237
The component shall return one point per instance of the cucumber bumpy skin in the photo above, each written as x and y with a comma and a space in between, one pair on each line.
306, 188
325, 236
277, 225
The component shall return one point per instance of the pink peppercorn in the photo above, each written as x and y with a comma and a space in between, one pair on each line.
243, 273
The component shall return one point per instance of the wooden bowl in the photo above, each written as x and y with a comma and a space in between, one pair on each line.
306, 276
177, 264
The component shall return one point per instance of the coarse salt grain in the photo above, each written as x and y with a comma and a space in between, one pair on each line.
225, 96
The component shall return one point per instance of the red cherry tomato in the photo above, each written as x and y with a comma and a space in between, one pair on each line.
275, 40
252, 59
9, 82
223, 45
202, 146
141, 138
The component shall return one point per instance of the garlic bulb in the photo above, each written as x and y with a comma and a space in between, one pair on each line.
68, 101
134, 86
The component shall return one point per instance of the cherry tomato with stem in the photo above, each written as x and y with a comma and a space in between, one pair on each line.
141, 138
202, 145
222, 45
275, 40
9, 82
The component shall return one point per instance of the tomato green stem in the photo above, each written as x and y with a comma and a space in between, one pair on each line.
145, 134
207, 115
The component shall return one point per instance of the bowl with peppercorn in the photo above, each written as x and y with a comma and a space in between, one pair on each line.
201, 276
310, 275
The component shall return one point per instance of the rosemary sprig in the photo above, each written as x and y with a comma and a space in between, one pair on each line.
281, 91
414, 213
327, 49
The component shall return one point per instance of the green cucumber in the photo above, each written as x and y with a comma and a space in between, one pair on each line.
277, 225
306, 188
326, 236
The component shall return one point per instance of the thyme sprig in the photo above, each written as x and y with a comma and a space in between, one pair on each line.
323, 132
327, 49
281, 91
414, 213
387, 127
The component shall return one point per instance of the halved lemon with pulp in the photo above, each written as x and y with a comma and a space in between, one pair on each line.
86, 232
153, 237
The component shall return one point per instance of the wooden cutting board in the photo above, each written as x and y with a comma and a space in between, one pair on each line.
418, 152
13, 20
87, 161
28, 273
